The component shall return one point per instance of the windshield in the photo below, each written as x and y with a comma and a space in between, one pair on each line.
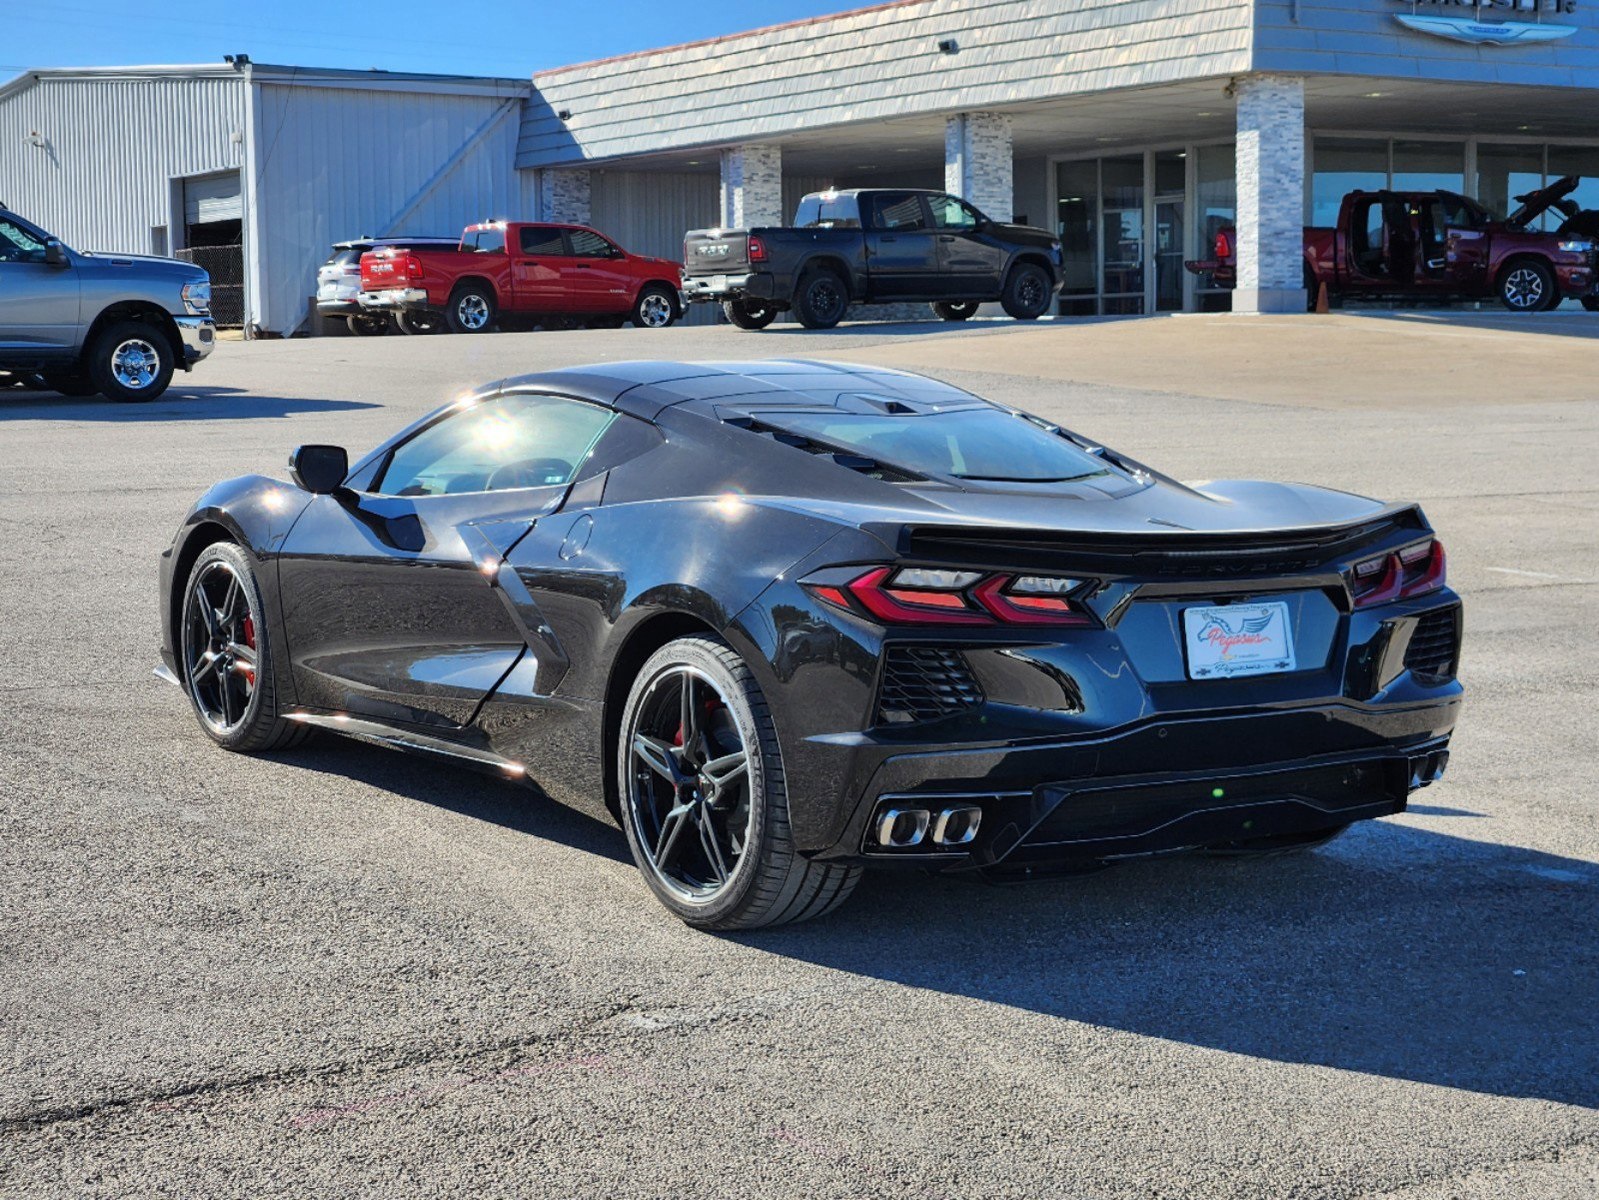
980, 443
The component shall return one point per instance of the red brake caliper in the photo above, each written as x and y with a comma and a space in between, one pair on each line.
249, 640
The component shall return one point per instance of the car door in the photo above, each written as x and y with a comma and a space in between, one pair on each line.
600, 272
539, 269
39, 301
970, 260
392, 600
902, 252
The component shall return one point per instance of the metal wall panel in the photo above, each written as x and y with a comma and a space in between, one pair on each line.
102, 177
877, 64
334, 163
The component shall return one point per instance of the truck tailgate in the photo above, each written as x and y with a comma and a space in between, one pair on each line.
716, 252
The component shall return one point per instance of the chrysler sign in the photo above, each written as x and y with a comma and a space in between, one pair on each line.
1482, 23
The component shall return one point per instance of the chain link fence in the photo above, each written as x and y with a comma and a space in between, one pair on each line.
225, 265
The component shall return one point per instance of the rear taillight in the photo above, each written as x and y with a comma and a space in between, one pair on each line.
757, 249
1224, 244
413, 267
1399, 575
935, 596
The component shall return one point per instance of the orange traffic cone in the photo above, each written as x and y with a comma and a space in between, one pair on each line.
1321, 298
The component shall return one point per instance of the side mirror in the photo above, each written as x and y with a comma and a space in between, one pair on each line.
319, 469
55, 254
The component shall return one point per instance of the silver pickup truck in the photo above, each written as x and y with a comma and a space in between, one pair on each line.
79, 323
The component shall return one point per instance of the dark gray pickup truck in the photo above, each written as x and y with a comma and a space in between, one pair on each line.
77, 323
873, 246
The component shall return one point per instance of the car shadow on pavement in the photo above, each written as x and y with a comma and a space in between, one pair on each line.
179, 403
1395, 952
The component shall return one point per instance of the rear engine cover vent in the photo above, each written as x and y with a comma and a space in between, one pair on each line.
1434, 651
924, 683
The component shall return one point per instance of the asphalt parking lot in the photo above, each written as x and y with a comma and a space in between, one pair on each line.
344, 971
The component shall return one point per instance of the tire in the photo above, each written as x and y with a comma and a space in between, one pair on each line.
1527, 286
368, 324
471, 309
955, 310
419, 322
749, 314
1027, 291
757, 878
69, 385
234, 698
1276, 847
1591, 303
130, 361
655, 308
820, 299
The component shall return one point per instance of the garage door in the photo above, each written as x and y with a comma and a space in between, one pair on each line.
212, 198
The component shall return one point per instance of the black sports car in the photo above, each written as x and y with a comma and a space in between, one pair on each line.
785, 620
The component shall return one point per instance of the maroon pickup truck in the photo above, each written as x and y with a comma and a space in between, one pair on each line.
1436, 245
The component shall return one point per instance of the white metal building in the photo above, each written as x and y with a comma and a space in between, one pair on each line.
279, 161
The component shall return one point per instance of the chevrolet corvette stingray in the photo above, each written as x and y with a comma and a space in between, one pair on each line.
783, 621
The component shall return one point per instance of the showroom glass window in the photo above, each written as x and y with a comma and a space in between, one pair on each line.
1429, 166
1122, 211
1505, 172
1215, 209
515, 441
1343, 165
1582, 161
542, 241
1077, 224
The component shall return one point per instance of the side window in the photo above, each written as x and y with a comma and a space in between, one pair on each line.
484, 241
950, 213
515, 441
543, 241
588, 244
18, 245
900, 211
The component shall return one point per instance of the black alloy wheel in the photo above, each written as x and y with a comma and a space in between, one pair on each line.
820, 299
1026, 294
703, 800
749, 314
955, 310
227, 664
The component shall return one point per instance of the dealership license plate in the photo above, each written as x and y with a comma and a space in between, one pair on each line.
1225, 641
718, 283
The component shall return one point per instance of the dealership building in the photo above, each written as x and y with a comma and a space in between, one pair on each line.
1133, 128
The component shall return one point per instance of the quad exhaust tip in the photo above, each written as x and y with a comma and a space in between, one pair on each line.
905, 828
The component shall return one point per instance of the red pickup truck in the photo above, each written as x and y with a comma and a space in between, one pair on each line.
1439, 245
516, 268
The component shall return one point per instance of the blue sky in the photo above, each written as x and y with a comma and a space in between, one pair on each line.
512, 39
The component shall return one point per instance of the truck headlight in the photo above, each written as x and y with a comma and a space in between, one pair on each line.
1578, 247
197, 296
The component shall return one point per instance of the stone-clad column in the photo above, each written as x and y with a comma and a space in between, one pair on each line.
564, 196
1271, 194
977, 162
752, 187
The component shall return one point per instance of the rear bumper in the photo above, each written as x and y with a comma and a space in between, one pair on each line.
395, 299
757, 285
199, 337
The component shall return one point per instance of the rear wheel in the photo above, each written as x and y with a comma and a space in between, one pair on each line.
471, 309
955, 310
1026, 294
704, 799
1527, 286
368, 324
820, 299
130, 361
420, 321
230, 669
749, 314
655, 308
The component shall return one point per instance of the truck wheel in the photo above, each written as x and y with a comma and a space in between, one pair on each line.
419, 322
655, 308
1026, 294
820, 299
1527, 286
471, 309
955, 310
749, 314
368, 324
69, 385
129, 361
1591, 303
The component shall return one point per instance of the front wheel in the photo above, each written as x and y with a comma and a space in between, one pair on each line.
471, 309
655, 308
955, 310
1026, 294
821, 299
749, 314
368, 324
130, 361
419, 322
229, 665
1527, 286
704, 798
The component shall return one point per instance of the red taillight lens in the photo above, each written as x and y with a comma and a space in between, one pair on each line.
1401, 575
757, 249
1224, 245
413, 267
934, 596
